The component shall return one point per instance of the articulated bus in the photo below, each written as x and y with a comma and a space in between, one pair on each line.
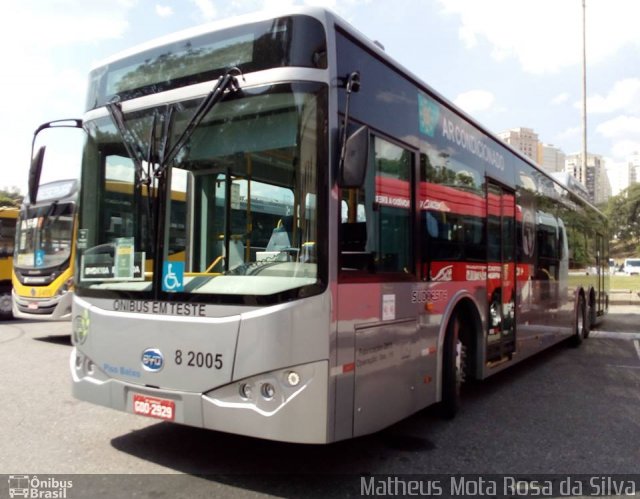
8, 216
44, 253
329, 245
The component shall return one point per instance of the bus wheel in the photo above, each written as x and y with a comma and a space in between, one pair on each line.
582, 323
5, 306
592, 316
453, 368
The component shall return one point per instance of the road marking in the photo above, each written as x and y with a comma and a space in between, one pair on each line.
614, 335
636, 343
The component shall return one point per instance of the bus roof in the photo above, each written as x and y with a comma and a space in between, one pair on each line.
257, 16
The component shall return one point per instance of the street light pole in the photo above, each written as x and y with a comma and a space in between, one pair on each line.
584, 92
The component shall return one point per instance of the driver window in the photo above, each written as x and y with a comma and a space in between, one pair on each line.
375, 229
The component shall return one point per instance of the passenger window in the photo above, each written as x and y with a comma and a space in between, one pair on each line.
452, 213
375, 230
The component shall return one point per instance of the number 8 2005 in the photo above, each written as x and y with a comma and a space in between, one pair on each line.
198, 359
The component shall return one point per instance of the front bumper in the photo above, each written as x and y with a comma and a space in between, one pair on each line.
57, 308
293, 414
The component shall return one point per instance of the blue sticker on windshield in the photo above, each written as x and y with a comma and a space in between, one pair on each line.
173, 276
39, 257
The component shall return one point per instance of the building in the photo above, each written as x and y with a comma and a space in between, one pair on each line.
524, 140
594, 177
634, 168
552, 158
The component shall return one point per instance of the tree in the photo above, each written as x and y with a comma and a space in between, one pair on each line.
11, 197
623, 212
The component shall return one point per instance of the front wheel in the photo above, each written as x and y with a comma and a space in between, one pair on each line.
453, 363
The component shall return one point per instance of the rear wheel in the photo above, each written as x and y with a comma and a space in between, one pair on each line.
592, 316
582, 323
453, 368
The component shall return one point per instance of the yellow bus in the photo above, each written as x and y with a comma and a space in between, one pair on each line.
8, 216
44, 253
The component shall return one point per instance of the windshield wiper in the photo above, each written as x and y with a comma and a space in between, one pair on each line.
131, 142
226, 82
52, 207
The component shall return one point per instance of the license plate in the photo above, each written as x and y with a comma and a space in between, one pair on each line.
154, 407
32, 306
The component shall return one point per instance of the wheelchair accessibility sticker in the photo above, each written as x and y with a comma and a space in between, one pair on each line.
39, 257
173, 276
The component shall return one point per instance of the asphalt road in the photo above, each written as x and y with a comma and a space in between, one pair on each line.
565, 411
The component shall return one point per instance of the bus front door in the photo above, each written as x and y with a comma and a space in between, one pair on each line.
501, 273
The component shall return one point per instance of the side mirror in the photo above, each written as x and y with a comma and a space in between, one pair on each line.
59, 147
356, 157
34, 174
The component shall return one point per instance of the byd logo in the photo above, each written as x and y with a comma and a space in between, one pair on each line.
152, 360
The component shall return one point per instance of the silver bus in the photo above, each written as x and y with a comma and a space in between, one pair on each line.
309, 243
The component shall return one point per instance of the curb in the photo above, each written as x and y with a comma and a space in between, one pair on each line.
614, 335
624, 297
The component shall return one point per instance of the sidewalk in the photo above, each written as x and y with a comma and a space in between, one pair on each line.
624, 313
624, 297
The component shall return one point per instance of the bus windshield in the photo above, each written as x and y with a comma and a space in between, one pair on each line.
237, 213
44, 236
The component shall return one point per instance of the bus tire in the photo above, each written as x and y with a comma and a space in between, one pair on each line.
453, 367
592, 315
5, 306
582, 323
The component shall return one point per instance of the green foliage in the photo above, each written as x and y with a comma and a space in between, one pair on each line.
623, 211
10, 197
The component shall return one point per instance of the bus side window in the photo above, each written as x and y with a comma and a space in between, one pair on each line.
453, 209
376, 230
353, 233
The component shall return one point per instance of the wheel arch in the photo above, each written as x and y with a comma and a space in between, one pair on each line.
471, 335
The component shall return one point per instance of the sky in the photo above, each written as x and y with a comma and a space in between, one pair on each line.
507, 63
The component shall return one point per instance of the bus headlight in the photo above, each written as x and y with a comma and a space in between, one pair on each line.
65, 288
293, 378
245, 391
268, 391
84, 367
80, 328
